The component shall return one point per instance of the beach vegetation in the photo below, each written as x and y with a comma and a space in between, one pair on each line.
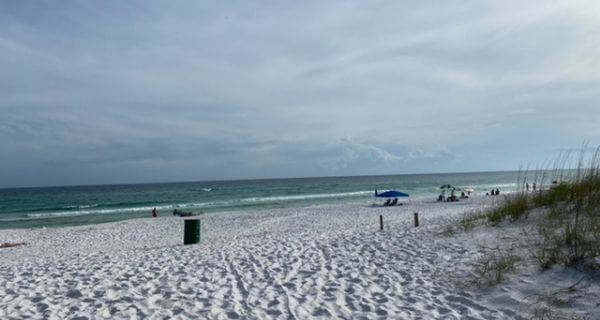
568, 227
449, 230
548, 305
513, 208
493, 268
472, 219
560, 223
547, 313
546, 247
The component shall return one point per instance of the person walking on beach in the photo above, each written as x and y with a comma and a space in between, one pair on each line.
154, 213
534, 186
527, 185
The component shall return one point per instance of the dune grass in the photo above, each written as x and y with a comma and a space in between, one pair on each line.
494, 267
569, 228
560, 223
514, 208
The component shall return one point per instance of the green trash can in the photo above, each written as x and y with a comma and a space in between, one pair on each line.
191, 231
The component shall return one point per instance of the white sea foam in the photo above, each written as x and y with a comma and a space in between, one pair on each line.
307, 196
97, 211
85, 206
192, 205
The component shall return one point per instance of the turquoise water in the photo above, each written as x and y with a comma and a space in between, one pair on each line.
62, 206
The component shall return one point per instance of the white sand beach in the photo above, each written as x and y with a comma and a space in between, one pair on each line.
322, 262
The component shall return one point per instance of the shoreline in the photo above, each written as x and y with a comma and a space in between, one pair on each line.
89, 205
58, 221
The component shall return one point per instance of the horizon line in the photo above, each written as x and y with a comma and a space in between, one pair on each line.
251, 179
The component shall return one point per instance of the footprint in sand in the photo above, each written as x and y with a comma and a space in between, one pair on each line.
74, 294
321, 312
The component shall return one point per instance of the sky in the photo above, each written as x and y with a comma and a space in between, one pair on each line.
100, 92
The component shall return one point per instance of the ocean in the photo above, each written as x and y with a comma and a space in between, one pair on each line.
80, 205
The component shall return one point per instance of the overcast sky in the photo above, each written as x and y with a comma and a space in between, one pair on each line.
95, 92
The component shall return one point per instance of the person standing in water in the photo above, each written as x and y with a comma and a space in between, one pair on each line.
154, 213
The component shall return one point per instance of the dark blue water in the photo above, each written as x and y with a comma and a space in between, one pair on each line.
62, 206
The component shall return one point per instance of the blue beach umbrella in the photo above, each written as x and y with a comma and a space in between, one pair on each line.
391, 194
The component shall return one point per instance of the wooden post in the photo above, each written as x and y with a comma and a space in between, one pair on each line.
416, 219
380, 222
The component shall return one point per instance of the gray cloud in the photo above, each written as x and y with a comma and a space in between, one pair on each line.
148, 91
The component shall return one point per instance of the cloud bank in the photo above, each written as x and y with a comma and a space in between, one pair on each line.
147, 91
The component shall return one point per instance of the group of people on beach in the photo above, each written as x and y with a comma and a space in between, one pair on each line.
181, 213
442, 197
390, 202
527, 186
493, 192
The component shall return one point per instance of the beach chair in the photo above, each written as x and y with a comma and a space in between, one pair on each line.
393, 203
